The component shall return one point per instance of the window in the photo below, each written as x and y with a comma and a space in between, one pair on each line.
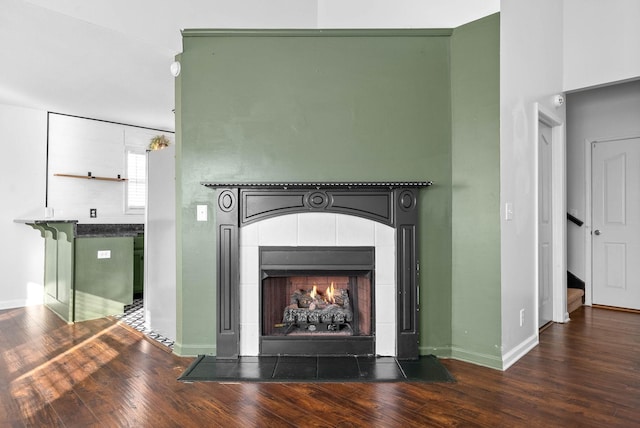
135, 196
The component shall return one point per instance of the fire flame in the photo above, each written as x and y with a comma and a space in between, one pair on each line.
329, 294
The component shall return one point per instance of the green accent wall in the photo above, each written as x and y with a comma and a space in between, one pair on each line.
306, 106
350, 105
475, 282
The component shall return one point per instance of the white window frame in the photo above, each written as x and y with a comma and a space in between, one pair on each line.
132, 180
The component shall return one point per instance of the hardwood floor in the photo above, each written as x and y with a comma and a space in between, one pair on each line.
99, 373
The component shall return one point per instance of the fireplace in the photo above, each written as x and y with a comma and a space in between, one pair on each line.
264, 288
317, 301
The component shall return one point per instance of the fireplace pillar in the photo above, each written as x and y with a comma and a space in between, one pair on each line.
392, 203
228, 280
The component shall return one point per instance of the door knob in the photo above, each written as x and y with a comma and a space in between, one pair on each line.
596, 232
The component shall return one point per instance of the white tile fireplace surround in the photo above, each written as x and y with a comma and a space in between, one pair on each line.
318, 229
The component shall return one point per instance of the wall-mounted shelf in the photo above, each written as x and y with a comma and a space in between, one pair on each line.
91, 177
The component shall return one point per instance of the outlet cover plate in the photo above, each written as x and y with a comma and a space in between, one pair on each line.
104, 254
201, 213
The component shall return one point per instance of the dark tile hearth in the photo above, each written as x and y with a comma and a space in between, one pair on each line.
316, 369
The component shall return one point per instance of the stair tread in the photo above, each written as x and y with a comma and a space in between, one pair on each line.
574, 294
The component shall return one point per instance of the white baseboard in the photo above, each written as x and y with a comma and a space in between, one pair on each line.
21, 303
478, 358
519, 351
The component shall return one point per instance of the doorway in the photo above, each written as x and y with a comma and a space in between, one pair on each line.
551, 219
605, 116
545, 224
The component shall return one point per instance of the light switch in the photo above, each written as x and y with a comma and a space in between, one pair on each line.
201, 213
508, 211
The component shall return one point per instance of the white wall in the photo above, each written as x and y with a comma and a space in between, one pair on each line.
160, 243
78, 146
22, 178
23, 167
402, 13
530, 71
601, 42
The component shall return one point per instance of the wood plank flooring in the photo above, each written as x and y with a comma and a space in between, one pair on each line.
99, 373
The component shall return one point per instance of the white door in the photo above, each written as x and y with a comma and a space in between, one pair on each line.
616, 223
545, 225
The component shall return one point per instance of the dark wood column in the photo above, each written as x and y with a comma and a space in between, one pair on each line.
406, 224
228, 329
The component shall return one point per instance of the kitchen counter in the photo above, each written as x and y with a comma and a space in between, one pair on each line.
89, 267
89, 230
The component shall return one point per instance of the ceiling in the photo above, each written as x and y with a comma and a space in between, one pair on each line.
109, 59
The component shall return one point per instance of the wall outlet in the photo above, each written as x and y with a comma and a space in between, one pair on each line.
93, 212
521, 317
201, 213
104, 254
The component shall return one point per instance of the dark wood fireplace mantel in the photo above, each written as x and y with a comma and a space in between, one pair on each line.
392, 203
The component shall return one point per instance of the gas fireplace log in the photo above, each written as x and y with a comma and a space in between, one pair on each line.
330, 314
310, 308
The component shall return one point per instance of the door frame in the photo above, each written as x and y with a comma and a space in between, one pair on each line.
558, 214
588, 242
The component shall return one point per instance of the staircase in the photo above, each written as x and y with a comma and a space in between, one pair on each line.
574, 298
